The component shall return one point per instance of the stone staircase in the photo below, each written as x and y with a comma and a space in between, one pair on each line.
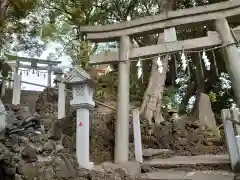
204, 167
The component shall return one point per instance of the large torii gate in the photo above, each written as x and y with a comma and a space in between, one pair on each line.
218, 15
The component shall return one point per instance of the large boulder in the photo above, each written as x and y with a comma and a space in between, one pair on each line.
206, 115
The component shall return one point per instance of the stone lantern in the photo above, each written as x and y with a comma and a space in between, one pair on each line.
82, 92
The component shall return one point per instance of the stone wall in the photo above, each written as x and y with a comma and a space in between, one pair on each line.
27, 97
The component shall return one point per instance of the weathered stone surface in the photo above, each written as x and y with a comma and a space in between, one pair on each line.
63, 170
155, 152
29, 170
206, 115
55, 132
47, 122
171, 174
23, 113
29, 153
131, 168
48, 147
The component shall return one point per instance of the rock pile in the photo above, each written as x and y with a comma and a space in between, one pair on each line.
101, 133
33, 148
189, 140
47, 103
192, 140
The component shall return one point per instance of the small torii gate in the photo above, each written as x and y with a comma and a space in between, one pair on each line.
51, 65
217, 15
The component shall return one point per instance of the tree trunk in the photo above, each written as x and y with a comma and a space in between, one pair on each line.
3, 5
152, 102
151, 106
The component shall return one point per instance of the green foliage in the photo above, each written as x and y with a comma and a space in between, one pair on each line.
48, 30
20, 8
106, 88
212, 96
18, 27
4, 68
169, 99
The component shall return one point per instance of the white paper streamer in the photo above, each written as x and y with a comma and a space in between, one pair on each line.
108, 69
160, 65
206, 61
139, 65
184, 61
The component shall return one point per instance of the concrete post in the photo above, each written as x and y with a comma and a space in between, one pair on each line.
58, 79
82, 137
49, 75
3, 91
83, 102
3, 116
230, 138
235, 115
9, 82
61, 100
137, 136
230, 54
122, 122
16, 89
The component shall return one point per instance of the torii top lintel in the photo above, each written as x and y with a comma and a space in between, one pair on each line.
152, 24
35, 60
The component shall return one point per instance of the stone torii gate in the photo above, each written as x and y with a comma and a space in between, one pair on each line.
217, 15
50, 65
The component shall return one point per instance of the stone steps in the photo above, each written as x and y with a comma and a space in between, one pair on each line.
188, 167
194, 162
181, 175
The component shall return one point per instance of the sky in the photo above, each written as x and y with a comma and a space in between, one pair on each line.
41, 79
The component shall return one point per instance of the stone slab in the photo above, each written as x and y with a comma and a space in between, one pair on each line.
206, 115
190, 160
181, 175
169, 174
154, 152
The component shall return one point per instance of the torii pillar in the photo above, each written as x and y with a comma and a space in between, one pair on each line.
122, 122
230, 54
